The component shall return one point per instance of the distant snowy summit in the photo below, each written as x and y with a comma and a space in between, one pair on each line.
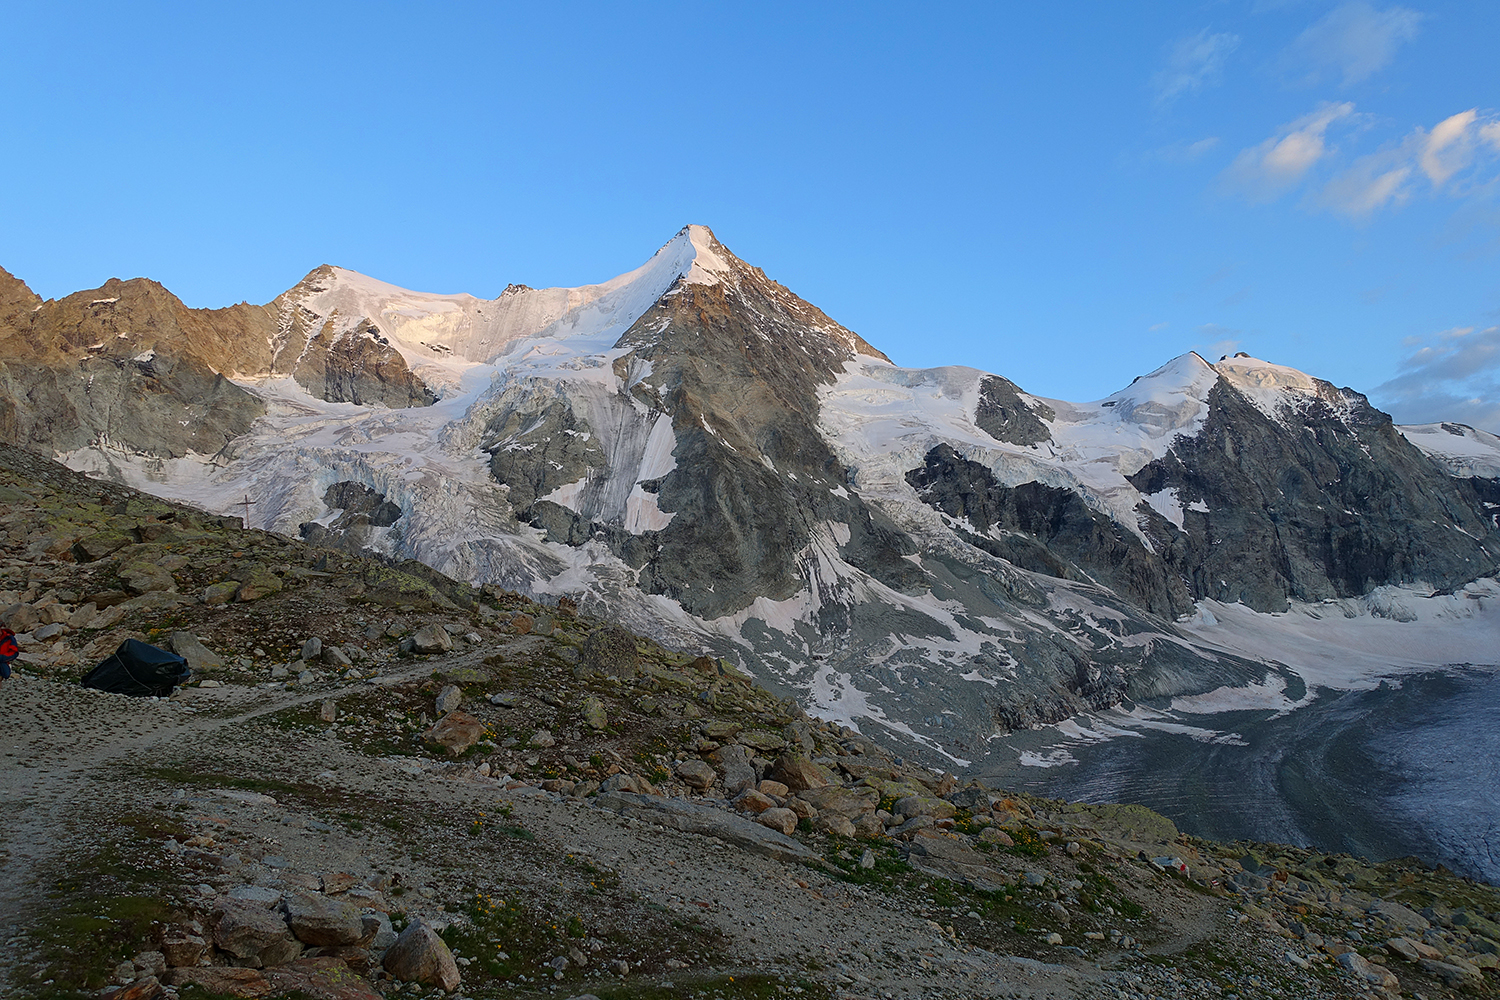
693, 448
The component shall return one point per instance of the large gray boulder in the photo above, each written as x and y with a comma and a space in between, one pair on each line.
420, 956
248, 930
322, 922
432, 639
200, 658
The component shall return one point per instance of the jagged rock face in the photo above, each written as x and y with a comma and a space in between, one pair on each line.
128, 368
737, 368
1005, 416
733, 368
1329, 507
338, 358
126, 364
1047, 530
359, 367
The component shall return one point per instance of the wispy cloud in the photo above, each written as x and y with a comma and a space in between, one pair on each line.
1267, 171
1184, 151
1453, 375
1438, 161
1193, 63
1354, 41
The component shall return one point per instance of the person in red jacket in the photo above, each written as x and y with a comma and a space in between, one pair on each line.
9, 650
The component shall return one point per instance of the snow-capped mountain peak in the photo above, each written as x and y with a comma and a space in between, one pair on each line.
1284, 393
425, 326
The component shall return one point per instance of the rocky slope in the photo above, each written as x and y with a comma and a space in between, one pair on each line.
381, 780
692, 448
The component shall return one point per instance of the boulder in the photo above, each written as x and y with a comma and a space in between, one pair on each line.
834, 823
780, 819
847, 802
798, 773
1403, 917
973, 798
432, 639
145, 988
1368, 972
99, 545
692, 817
333, 656
181, 946
188, 646
312, 648
695, 773
320, 921
734, 763
761, 741
247, 929
995, 835
448, 699
20, 617
611, 650
326, 977
1452, 970
753, 802
593, 714
220, 593
921, 805
420, 956
720, 730
457, 731
221, 981
801, 807
259, 582
146, 578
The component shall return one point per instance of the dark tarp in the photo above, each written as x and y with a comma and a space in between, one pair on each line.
139, 669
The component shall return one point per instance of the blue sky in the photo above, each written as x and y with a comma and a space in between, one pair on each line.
1065, 194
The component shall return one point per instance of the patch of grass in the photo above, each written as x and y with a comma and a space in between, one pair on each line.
178, 775
1028, 843
503, 937
104, 908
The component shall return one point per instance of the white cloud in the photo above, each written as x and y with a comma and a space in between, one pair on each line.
1391, 176
1269, 170
1453, 375
1372, 183
1195, 62
1449, 147
1354, 40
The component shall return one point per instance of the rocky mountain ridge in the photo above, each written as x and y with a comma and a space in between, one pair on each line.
696, 450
